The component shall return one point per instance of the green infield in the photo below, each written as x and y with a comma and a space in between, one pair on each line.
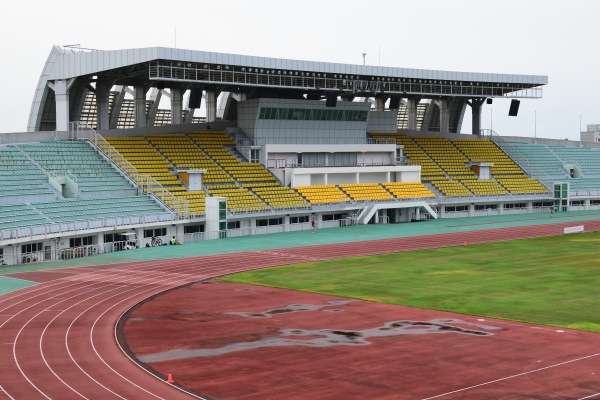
549, 281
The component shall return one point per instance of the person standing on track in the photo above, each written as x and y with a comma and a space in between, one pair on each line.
313, 224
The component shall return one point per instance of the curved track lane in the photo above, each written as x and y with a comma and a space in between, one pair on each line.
58, 339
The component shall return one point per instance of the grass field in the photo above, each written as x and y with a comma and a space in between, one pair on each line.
550, 281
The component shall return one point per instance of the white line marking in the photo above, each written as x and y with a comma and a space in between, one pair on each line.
512, 376
591, 396
5, 392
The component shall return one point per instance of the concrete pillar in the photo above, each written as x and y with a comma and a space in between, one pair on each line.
61, 94
476, 116
444, 116
140, 106
211, 106
411, 108
379, 103
155, 96
102, 96
116, 107
176, 106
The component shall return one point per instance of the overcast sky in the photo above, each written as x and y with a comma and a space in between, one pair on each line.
539, 37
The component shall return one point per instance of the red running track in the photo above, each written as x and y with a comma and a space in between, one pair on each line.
58, 339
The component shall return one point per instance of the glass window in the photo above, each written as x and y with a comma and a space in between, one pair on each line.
82, 241
31, 247
262, 222
299, 220
148, 233
234, 224
223, 210
193, 229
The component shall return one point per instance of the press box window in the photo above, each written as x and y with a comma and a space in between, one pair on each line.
234, 224
81, 241
148, 233
299, 220
193, 229
31, 247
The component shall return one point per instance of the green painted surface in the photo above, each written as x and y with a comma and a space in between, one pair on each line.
11, 284
307, 238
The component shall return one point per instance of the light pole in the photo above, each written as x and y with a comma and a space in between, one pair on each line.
364, 55
535, 127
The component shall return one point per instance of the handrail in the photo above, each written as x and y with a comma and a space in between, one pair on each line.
145, 183
532, 170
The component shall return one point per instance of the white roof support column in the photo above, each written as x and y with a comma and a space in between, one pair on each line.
190, 110
61, 93
211, 106
475, 115
116, 107
176, 105
102, 97
411, 108
140, 106
379, 103
444, 115
155, 96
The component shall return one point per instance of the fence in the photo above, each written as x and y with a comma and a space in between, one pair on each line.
67, 228
91, 250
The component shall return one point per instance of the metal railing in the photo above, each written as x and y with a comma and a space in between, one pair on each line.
91, 250
317, 140
283, 163
40, 232
67, 253
145, 183
532, 170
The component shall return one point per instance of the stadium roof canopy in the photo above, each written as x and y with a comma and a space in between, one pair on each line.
70, 72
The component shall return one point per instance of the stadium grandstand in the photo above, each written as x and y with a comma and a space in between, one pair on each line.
125, 146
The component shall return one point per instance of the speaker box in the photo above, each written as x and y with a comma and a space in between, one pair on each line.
489, 101
195, 98
514, 108
394, 102
331, 100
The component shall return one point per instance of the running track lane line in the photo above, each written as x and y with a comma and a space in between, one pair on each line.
337, 251
178, 282
515, 376
216, 271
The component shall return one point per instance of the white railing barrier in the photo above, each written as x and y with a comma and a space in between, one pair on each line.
145, 183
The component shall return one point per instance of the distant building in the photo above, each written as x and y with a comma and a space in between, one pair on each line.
592, 134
